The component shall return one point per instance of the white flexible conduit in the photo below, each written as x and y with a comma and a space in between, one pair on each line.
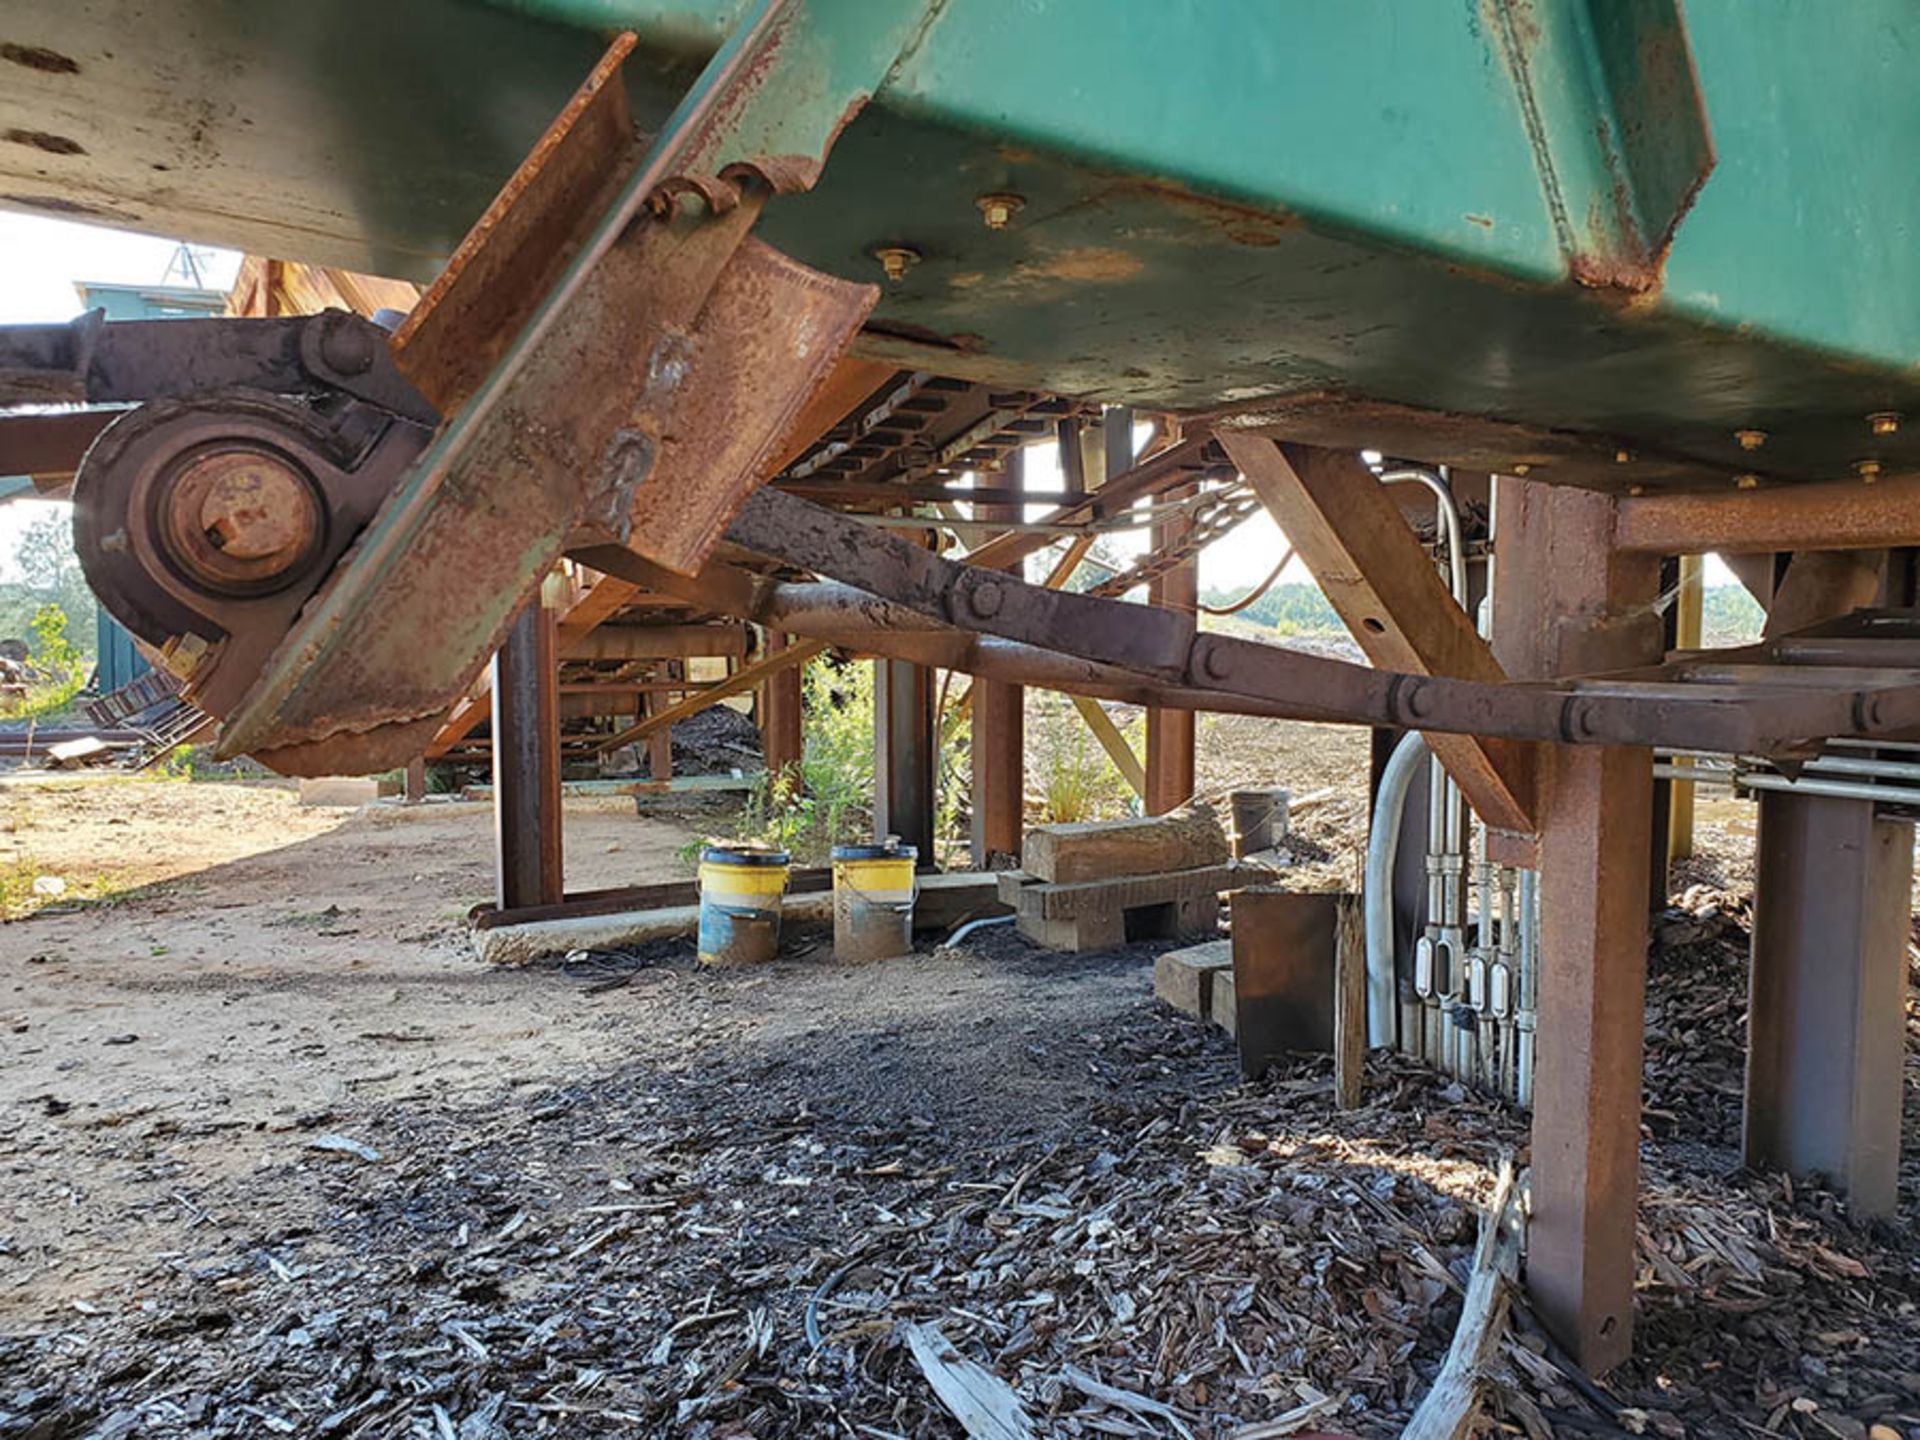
1383, 841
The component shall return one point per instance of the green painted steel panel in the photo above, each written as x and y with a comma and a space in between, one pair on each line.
1227, 200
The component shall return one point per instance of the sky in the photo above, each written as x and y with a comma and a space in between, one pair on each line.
42, 259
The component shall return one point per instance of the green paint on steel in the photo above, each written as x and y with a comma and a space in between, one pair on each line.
1227, 199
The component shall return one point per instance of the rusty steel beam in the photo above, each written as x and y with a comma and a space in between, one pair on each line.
1080, 644
1563, 598
659, 642
1173, 466
1844, 515
48, 445
738, 683
1169, 767
1352, 536
998, 748
1826, 1023
782, 727
1823, 585
906, 755
529, 863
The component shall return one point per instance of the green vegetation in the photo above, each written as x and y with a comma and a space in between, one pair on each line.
1075, 777
49, 574
1730, 616
51, 609
20, 896
830, 801
1291, 609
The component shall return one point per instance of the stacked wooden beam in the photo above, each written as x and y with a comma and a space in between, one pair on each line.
1096, 885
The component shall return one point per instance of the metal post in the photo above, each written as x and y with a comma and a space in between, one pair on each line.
416, 780
1827, 1014
781, 739
1170, 733
905, 754
660, 743
1568, 602
526, 762
999, 732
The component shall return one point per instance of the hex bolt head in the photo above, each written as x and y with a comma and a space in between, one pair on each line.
1867, 470
1884, 422
1750, 439
896, 260
1748, 481
999, 208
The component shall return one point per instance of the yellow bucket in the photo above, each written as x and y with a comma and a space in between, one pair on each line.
873, 892
740, 891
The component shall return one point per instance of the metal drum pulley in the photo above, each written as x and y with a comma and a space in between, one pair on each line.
205, 526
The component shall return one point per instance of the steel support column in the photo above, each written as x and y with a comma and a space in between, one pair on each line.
1170, 733
1826, 1020
526, 762
905, 754
1568, 601
781, 740
660, 743
999, 733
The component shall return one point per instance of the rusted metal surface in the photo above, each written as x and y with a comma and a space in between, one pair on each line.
1613, 112
780, 714
518, 248
1595, 823
765, 342
140, 514
1353, 538
1169, 765
535, 453
1160, 647
906, 756
49, 445
998, 740
742, 680
1826, 1012
1285, 952
1491, 443
1820, 584
528, 852
1845, 515
1560, 589
93, 362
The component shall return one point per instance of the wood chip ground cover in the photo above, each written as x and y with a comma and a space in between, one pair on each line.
647, 1251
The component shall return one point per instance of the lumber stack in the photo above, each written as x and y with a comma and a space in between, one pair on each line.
1093, 886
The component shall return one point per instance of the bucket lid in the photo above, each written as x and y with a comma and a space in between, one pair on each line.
889, 850
742, 853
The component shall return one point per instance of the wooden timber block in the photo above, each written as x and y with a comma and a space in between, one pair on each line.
1184, 978
1102, 914
1112, 849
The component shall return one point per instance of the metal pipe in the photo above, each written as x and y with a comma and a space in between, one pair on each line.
1449, 510
1759, 780
1383, 842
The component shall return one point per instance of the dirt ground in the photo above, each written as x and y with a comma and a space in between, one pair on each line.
255, 963
281, 1159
